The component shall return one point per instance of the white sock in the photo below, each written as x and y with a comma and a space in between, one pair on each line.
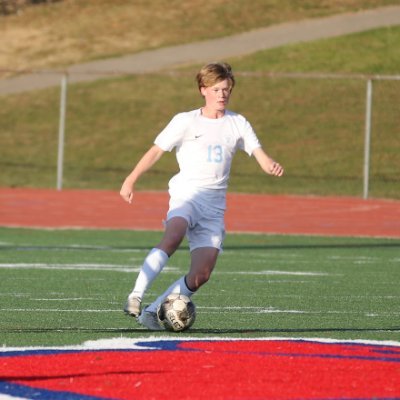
152, 266
177, 287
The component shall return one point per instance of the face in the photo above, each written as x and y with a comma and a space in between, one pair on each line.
217, 96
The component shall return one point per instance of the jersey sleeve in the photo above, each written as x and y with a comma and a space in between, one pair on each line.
249, 140
173, 134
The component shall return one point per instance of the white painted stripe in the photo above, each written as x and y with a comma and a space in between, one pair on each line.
214, 310
72, 247
129, 269
124, 268
277, 272
83, 267
61, 266
122, 343
69, 299
7, 397
57, 310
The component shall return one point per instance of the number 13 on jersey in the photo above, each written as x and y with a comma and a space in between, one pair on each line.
215, 153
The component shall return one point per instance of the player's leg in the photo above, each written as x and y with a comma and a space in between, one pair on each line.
175, 231
205, 234
154, 263
203, 261
202, 265
205, 240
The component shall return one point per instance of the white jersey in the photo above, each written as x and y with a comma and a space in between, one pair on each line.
204, 150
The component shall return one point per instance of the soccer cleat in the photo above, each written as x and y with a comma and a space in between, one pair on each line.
133, 306
149, 320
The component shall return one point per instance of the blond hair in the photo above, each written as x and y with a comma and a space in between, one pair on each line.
212, 73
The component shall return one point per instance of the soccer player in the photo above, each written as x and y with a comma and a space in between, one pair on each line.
205, 141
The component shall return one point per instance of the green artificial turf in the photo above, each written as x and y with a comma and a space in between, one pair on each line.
69, 286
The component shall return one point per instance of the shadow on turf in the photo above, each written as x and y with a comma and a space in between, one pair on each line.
226, 247
202, 331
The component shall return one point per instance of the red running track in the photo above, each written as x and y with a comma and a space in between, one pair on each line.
328, 216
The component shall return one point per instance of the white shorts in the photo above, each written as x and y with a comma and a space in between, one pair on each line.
206, 227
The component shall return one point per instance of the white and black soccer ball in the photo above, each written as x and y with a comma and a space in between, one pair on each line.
176, 313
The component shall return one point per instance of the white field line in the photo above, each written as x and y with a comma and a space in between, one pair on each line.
7, 397
124, 268
272, 310
124, 343
80, 267
277, 272
272, 295
72, 247
211, 310
28, 297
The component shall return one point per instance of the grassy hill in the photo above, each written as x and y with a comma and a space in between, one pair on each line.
73, 31
314, 127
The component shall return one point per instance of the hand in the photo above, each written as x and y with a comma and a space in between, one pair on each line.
268, 165
276, 169
126, 192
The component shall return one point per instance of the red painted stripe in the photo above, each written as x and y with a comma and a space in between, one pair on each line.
218, 370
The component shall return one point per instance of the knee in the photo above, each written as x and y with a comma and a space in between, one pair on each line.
173, 236
195, 281
170, 244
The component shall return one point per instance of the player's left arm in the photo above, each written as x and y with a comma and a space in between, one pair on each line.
268, 165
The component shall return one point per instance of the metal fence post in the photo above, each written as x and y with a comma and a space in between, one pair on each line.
61, 131
367, 140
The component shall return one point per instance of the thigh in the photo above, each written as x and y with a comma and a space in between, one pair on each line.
179, 217
175, 231
203, 261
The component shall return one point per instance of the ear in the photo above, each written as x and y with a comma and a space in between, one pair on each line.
203, 91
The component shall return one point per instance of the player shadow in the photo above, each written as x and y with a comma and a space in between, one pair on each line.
215, 331
226, 247
291, 331
312, 246
73, 330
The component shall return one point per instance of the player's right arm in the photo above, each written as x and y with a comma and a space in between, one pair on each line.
268, 165
144, 164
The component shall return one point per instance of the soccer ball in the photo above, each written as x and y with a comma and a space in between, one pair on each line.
176, 313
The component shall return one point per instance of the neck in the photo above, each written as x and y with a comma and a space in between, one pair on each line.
214, 114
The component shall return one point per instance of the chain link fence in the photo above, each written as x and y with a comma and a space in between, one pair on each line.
336, 134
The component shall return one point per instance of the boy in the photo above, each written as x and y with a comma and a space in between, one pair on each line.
205, 140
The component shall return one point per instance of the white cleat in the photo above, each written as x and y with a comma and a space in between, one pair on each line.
133, 306
149, 320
